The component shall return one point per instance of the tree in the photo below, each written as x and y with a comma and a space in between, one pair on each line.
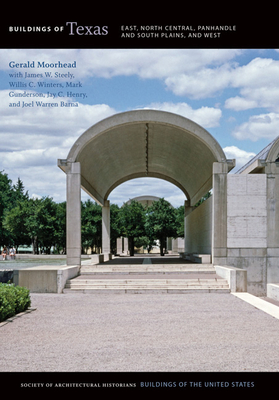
15, 223
132, 220
47, 224
18, 192
91, 225
40, 222
61, 227
12, 212
161, 222
35, 221
146, 242
5, 197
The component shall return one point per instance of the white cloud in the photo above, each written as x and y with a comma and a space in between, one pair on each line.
241, 156
207, 117
30, 128
29, 157
239, 103
200, 84
258, 83
40, 180
263, 71
34, 138
258, 127
35, 196
196, 73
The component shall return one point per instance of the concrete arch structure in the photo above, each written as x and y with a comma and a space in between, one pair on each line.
137, 144
142, 143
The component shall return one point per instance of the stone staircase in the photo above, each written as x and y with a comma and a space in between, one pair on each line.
147, 278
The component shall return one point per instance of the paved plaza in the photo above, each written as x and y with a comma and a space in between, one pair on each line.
150, 332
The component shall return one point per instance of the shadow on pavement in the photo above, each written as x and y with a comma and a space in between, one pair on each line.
154, 258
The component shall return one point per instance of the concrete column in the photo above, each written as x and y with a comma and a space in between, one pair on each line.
169, 243
187, 210
73, 218
219, 212
125, 245
119, 246
106, 228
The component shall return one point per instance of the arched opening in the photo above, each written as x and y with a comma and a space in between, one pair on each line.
147, 186
137, 232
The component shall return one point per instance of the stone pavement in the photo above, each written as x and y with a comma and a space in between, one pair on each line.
151, 332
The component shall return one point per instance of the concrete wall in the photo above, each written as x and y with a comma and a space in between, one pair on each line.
45, 279
247, 228
247, 211
198, 229
177, 245
236, 277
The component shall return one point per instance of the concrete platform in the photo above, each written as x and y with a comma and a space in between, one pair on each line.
148, 275
273, 291
45, 279
147, 269
167, 274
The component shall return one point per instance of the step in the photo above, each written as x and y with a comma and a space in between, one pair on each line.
146, 281
145, 269
144, 285
133, 290
147, 278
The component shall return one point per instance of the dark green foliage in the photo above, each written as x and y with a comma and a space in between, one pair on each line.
42, 222
22, 299
13, 300
7, 302
161, 222
61, 227
91, 225
132, 220
33, 221
5, 195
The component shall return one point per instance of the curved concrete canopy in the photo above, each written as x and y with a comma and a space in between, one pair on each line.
144, 143
146, 200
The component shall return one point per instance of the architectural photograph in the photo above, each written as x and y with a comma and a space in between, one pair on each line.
139, 209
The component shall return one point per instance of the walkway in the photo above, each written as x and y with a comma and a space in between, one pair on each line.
150, 332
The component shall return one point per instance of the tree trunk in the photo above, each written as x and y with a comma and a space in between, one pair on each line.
35, 244
131, 246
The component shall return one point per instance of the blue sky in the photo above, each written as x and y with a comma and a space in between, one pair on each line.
233, 93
